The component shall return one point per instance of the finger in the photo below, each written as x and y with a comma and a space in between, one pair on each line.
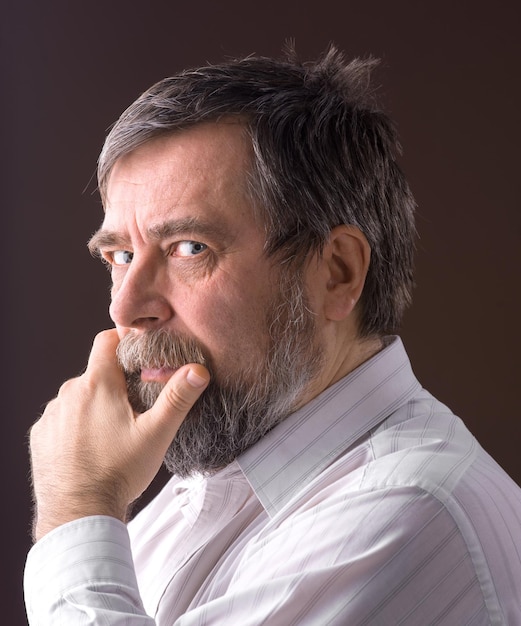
103, 352
176, 399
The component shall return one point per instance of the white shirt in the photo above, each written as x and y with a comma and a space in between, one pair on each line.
373, 504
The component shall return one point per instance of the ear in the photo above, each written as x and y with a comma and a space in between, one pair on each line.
347, 256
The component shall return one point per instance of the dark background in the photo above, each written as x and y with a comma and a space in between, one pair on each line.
450, 76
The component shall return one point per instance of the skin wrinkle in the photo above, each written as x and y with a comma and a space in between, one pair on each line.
186, 228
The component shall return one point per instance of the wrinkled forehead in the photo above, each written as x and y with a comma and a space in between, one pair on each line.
230, 133
196, 176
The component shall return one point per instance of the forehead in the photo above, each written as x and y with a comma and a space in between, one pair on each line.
197, 173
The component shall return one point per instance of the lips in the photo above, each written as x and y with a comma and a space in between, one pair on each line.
156, 374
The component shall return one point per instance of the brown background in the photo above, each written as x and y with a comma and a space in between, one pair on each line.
450, 76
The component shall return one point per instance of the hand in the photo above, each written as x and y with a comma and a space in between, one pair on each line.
90, 453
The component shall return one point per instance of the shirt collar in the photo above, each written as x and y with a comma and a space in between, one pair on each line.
306, 442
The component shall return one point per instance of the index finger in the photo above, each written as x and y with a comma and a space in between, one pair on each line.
103, 352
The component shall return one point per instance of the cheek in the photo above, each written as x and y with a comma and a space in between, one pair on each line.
229, 325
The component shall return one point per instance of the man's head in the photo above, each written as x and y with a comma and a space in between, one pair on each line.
255, 221
323, 155
191, 282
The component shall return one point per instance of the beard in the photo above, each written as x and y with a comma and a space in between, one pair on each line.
238, 407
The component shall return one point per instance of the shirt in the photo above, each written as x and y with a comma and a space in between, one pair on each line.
373, 504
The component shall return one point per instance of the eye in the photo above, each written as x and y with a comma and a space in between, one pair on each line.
121, 257
189, 248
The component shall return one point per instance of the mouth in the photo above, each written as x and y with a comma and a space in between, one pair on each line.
156, 374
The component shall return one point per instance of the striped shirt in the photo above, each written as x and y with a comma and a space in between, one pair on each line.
373, 504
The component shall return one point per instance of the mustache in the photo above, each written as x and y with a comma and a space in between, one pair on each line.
158, 348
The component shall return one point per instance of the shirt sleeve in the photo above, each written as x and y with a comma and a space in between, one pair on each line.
82, 573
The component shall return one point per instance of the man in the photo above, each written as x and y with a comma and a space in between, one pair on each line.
259, 235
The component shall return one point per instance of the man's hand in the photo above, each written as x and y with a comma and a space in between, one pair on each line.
91, 454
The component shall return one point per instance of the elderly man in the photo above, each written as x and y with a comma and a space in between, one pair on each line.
259, 234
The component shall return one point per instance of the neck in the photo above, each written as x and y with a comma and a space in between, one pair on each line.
340, 361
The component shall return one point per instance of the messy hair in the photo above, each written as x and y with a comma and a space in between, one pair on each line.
324, 154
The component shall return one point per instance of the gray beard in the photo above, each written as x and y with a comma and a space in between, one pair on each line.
237, 410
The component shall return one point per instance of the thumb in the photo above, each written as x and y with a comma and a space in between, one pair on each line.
176, 399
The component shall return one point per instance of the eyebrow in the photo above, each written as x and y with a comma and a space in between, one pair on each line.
104, 238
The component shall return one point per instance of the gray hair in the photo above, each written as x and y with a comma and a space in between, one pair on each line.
324, 154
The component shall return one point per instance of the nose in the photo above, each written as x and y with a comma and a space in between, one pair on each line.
139, 296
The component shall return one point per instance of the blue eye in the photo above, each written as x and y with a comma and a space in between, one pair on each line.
122, 257
189, 248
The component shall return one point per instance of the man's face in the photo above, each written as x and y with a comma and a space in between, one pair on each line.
191, 283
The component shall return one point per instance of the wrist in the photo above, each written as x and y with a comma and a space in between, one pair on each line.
61, 509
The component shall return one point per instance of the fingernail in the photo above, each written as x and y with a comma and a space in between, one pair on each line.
195, 380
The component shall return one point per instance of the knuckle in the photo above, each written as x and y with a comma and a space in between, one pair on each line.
65, 387
178, 398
